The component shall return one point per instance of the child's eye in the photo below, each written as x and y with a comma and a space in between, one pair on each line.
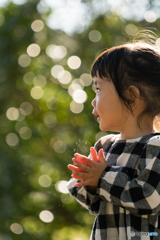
97, 90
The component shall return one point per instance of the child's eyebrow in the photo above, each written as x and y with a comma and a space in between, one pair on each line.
96, 82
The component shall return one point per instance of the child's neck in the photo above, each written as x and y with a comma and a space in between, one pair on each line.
136, 133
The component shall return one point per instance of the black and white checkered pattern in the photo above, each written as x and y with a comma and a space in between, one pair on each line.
128, 194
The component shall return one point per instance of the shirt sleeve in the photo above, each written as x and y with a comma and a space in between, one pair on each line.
139, 195
84, 197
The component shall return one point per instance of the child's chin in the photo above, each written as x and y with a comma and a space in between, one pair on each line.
102, 128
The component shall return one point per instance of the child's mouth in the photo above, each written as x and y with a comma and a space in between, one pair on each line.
98, 117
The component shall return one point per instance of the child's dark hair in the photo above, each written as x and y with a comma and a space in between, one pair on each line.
135, 64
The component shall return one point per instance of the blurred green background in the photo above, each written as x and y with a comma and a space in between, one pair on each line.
46, 51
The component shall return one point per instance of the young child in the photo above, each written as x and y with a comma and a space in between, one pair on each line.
120, 180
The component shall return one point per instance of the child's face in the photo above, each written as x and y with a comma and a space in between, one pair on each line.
110, 111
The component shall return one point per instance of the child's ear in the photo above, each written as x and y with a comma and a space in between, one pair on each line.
133, 96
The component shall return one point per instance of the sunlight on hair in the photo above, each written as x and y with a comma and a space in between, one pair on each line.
33, 50
46, 216
56, 69
56, 52
73, 3
79, 96
12, 113
37, 25
85, 79
40, 81
45, 181
12, 139
16, 228
76, 107
61, 186
24, 60
37, 92
95, 36
28, 78
74, 62
50, 119
27, 107
150, 16
131, 29
158, 43
25, 133
64, 77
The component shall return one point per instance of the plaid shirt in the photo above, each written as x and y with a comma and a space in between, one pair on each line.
127, 201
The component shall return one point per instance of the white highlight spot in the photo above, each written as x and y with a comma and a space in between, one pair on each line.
74, 62
16, 228
33, 50
46, 216
61, 186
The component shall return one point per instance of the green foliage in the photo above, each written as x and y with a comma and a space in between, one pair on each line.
39, 135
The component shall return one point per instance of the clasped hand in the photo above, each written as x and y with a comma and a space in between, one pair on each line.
87, 170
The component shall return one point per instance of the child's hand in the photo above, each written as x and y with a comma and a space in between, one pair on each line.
86, 170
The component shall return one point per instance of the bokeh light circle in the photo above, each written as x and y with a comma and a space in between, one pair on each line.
46, 216
74, 62
24, 60
76, 107
40, 81
131, 29
37, 25
25, 133
37, 92
150, 16
50, 119
27, 107
28, 77
95, 36
16, 228
33, 50
61, 186
56, 52
59, 146
12, 139
45, 181
56, 69
85, 79
79, 96
64, 77
12, 113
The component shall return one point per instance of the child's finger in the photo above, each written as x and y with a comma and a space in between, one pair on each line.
73, 168
75, 160
81, 158
101, 156
77, 177
93, 154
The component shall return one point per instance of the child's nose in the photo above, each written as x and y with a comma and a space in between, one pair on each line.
93, 102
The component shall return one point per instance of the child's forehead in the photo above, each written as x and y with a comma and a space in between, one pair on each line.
97, 80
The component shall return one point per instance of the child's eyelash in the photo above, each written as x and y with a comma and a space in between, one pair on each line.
97, 90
